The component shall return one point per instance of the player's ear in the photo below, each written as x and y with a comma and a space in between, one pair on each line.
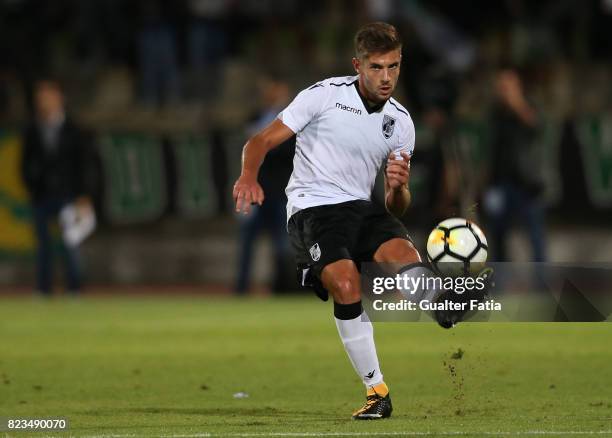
356, 64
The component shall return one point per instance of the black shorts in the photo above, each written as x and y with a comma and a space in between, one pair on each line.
327, 233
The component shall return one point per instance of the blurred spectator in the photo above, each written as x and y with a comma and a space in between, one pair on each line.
438, 96
207, 42
219, 164
515, 182
441, 191
101, 29
273, 176
434, 166
54, 167
443, 40
157, 55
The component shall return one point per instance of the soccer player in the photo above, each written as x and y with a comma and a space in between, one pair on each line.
346, 128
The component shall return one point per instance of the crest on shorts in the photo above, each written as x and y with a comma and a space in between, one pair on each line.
388, 125
315, 252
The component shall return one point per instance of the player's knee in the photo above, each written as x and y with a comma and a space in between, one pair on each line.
345, 290
411, 253
341, 279
397, 251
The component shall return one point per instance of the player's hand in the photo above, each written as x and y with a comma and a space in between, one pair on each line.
398, 171
247, 192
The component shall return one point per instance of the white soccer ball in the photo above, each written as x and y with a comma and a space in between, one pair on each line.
457, 247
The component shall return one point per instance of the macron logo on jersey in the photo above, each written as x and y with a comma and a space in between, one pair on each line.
348, 108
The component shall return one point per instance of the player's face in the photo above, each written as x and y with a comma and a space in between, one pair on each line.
378, 74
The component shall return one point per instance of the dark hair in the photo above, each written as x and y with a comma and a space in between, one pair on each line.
376, 37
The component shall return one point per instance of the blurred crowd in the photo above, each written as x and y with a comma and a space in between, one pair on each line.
503, 95
173, 52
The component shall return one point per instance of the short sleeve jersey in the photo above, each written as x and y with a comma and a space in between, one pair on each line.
341, 142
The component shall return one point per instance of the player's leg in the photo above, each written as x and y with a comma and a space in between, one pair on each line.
323, 238
398, 253
397, 250
401, 252
342, 280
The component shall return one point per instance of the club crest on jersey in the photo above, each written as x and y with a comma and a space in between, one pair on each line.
388, 125
315, 252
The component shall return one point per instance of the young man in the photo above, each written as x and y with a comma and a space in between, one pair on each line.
346, 128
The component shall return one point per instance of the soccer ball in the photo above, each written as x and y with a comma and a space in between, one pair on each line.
457, 247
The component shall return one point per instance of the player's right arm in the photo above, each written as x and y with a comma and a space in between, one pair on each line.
247, 190
306, 105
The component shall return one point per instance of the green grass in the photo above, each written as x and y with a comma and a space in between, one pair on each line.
170, 366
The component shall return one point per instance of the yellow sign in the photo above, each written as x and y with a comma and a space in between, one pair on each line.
15, 228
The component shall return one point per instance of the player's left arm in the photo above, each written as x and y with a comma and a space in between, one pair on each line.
397, 178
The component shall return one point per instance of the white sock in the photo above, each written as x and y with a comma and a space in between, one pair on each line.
358, 338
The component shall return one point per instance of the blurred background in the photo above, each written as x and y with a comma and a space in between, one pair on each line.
511, 101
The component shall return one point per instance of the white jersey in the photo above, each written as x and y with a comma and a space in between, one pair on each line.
341, 142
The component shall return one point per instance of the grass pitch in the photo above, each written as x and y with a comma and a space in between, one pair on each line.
154, 366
